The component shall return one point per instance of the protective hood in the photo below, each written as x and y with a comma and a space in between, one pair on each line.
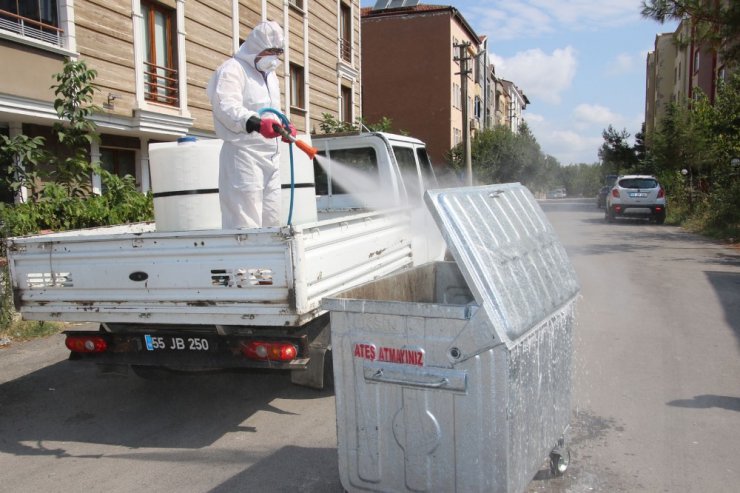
265, 35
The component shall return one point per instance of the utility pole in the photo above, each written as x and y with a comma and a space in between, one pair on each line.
464, 71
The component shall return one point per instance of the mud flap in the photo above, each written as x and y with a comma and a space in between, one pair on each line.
318, 373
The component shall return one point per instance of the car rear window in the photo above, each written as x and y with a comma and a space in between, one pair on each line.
638, 183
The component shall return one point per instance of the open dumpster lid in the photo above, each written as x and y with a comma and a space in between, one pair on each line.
508, 252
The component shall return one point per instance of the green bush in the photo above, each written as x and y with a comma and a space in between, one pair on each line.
56, 210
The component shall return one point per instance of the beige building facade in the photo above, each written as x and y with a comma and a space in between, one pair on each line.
678, 70
660, 80
154, 59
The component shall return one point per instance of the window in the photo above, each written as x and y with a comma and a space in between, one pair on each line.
409, 174
427, 171
296, 3
297, 87
345, 32
722, 74
696, 60
38, 19
346, 105
160, 72
120, 162
638, 183
356, 169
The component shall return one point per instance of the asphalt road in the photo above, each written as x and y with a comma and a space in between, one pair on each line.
656, 397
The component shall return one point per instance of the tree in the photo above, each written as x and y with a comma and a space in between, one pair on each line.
74, 92
616, 154
581, 179
716, 24
331, 125
21, 156
702, 140
61, 199
502, 156
640, 148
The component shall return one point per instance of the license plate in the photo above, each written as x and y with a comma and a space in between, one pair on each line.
638, 195
177, 343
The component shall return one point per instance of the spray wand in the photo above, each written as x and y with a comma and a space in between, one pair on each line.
284, 133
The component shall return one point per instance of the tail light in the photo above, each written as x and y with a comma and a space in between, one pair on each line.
270, 350
615, 193
658, 209
618, 208
86, 344
661, 193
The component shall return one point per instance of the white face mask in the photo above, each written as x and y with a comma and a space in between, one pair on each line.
268, 63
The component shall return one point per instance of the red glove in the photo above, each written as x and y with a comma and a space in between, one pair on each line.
266, 128
291, 131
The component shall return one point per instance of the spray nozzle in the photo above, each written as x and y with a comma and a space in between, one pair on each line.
285, 133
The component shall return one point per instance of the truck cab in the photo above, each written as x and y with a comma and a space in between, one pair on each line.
351, 167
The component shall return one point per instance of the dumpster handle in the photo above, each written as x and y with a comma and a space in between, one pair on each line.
378, 376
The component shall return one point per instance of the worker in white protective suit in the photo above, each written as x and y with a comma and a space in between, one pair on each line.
249, 163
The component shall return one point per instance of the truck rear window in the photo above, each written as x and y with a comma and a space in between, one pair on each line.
363, 159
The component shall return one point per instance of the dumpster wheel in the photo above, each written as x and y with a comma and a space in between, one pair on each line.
559, 461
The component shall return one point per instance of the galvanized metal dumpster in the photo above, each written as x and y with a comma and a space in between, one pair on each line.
456, 376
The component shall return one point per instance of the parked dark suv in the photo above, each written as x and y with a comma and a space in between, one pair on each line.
636, 196
601, 196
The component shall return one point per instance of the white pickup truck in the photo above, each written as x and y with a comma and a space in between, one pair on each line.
225, 299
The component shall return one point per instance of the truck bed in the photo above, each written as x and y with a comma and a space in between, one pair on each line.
259, 277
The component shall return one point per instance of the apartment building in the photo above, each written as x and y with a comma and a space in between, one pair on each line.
410, 72
660, 79
678, 70
515, 102
154, 59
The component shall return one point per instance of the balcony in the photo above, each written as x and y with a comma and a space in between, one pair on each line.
345, 50
161, 84
32, 29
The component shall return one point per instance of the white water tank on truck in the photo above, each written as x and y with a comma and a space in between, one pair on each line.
184, 177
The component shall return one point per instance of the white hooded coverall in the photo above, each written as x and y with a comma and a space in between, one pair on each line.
249, 166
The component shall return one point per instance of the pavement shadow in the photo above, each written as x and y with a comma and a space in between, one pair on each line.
709, 401
301, 470
69, 402
727, 287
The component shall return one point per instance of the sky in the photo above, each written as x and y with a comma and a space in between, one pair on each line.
580, 63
